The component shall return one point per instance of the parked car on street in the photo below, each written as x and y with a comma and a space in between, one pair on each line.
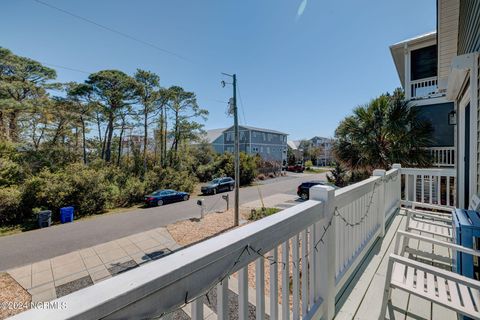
303, 190
298, 167
218, 185
161, 197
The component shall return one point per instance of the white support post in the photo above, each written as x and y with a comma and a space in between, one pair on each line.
325, 273
398, 183
197, 309
381, 210
222, 300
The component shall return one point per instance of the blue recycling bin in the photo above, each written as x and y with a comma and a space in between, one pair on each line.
466, 232
66, 214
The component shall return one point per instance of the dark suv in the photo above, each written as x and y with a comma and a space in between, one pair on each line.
219, 185
303, 190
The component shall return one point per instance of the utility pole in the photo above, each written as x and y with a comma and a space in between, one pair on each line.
236, 147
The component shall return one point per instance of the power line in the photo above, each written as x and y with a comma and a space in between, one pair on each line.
241, 105
66, 68
123, 34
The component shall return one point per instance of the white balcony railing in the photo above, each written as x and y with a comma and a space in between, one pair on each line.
422, 88
309, 252
443, 156
429, 186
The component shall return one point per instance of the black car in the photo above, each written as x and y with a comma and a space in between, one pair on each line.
218, 185
303, 190
161, 197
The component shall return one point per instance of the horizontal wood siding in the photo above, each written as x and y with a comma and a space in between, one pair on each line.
469, 27
448, 11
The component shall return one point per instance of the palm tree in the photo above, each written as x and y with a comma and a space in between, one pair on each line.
381, 133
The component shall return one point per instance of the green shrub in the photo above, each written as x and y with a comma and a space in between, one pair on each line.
132, 192
10, 173
78, 186
10, 205
257, 214
91, 191
169, 178
308, 164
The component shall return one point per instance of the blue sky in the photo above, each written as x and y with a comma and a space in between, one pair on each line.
301, 75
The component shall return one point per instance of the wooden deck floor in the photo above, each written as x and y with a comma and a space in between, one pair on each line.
362, 298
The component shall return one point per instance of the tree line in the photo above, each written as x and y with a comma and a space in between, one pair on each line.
63, 143
87, 116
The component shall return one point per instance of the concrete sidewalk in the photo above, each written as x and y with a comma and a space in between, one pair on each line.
52, 278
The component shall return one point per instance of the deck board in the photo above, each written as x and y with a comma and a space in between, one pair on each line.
362, 298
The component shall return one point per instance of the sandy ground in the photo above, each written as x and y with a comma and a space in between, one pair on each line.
13, 298
188, 232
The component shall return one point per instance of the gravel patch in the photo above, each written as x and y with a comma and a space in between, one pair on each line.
122, 267
73, 286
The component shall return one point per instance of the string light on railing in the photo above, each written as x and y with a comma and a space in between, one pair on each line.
250, 249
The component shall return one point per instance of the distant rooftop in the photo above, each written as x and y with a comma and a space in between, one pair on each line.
213, 134
258, 129
293, 144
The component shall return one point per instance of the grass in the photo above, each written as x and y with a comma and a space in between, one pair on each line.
17, 228
260, 213
313, 170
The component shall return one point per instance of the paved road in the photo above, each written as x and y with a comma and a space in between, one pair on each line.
28, 247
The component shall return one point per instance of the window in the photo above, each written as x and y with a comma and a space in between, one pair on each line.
268, 149
423, 63
254, 149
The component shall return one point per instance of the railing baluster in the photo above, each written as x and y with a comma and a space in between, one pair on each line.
406, 185
304, 279
423, 187
296, 278
243, 293
312, 262
448, 190
414, 187
285, 281
260, 289
222, 300
439, 186
197, 309
274, 285
431, 189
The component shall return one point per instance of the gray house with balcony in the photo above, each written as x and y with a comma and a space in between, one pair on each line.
269, 144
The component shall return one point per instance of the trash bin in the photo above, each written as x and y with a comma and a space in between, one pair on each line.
66, 214
45, 218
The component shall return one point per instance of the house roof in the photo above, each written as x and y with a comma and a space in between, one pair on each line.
398, 54
258, 129
212, 135
293, 144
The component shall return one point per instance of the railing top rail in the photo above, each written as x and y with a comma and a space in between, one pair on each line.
423, 80
161, 285
440, 148
448, 172
345, 195
392, 172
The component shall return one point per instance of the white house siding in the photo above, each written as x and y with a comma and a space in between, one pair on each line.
448, 11
478, 125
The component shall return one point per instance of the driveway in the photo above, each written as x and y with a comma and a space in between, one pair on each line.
28, 247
